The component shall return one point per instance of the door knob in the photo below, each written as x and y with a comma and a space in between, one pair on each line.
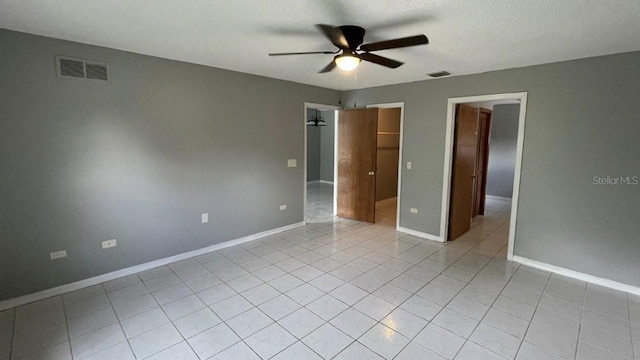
372, 173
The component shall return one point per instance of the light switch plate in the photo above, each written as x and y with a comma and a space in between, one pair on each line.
58, 254
414, 210
292, 162
408, 165
205, 218
283, 207
109, 243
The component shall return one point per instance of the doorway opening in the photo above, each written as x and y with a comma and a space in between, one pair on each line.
319, 134
388, 162
369, 143
483, 159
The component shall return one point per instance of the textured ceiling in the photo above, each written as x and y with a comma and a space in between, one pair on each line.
466, 36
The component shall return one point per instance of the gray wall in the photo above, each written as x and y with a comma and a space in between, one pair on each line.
387, 154
320, 147
327, 143
502, 150
582, 121
313, 149
137, 159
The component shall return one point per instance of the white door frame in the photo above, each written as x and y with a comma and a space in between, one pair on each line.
448, 155
307, 106
393, 106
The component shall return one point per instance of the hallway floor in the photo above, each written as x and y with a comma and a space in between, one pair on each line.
335, 290
319, 202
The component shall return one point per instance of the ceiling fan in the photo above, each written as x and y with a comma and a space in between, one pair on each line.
349, 38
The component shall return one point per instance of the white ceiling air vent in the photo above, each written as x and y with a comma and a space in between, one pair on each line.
83, 69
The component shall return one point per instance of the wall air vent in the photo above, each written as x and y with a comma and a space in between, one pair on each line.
82, 69
439, 74
96, 71
72, 68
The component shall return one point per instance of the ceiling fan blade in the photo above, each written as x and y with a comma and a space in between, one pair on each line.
396, 43
334, 35
303, 53
403, 21
328, 68
380, 60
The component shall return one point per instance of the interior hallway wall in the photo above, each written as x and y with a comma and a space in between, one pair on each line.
320, 147
502, 150
313, 149
327, 145
388, 153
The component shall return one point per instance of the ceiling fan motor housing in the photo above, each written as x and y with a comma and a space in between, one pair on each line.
354, 35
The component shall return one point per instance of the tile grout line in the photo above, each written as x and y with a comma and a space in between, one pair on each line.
489, 309
633, 350
118, 318
354, 340
534, 314
445, 306
584, 301
165, 313
264, 282
13, 332
597, 311
207, 306
325, 322
66, 321
457, 293
485, 315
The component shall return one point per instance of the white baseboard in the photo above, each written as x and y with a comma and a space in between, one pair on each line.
320, 182
419, 234
40, 295
577, 275
502, 198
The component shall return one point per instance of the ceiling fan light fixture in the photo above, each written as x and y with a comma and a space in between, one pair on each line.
347, 62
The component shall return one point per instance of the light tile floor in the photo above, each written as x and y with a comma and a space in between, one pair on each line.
338, 289
319, 202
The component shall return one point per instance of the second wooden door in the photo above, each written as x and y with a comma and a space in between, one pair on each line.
463, 173
482, 161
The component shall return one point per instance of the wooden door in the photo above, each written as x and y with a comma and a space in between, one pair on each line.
464, 163
482, 163
357, 150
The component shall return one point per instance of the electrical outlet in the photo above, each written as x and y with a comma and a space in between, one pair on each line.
414, 210
58, 254
283, 207
204, 218
109, 243
408, 165
292, 163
